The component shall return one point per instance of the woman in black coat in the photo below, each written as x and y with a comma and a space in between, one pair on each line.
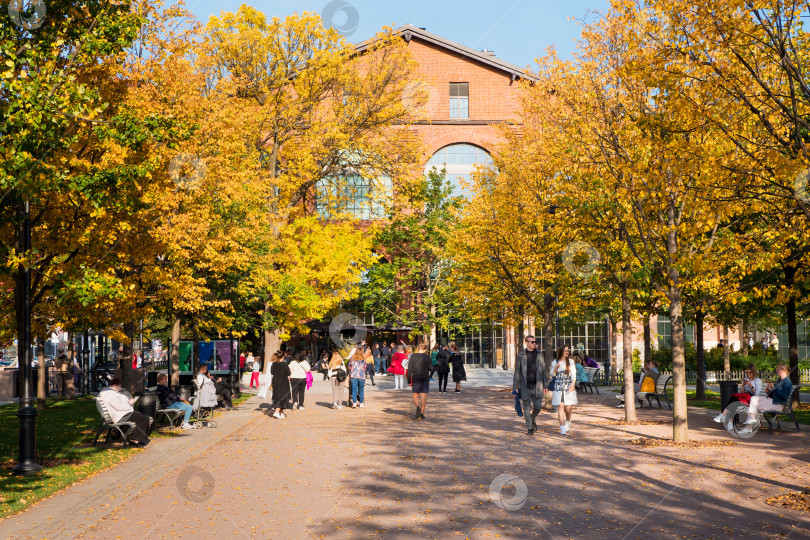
457, 361
443, 368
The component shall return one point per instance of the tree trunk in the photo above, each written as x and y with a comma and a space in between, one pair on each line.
71, 386
127, 375
614, 340
548, 339
726, 352
647, 338
793, 336
195, 347
744, 336
700, 384
175, 353
42, 379
680, 423
627, 357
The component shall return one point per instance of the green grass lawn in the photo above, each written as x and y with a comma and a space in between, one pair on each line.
65, 431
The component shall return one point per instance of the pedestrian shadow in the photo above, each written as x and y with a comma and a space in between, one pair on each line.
324, 404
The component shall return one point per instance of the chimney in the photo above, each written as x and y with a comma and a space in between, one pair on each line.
488, 52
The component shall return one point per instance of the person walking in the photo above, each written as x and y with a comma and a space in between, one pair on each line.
564, 397
396, 368
443, 367
368, 356
377, 354
419, 370
529, 382
384, 355
281, 385
337, 379
299, 367
255, 369
457, 361
357, 372
433, 360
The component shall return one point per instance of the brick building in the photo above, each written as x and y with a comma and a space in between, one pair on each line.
471, 95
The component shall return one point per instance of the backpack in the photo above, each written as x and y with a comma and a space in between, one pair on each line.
340, 374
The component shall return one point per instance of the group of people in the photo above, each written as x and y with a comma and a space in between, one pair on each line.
774, 398
441, 360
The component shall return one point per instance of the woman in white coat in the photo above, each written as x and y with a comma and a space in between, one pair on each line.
564, 397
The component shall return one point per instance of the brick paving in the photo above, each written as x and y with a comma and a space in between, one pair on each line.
378, 473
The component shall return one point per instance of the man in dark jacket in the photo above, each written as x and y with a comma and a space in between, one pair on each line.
531, 381
169, 400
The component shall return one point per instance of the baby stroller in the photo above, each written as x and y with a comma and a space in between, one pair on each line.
204, 402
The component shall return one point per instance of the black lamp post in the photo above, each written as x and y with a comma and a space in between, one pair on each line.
86, 351
27, 413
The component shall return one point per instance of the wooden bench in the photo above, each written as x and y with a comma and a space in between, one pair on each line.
124, 428
660, 392
590, 385
787, 411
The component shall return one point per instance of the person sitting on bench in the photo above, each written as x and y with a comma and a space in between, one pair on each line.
223, 388
752, 385
120, 409
650, 372
775, 401
170, 400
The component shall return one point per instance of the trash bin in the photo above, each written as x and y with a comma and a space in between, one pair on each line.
235, 385
147, 404
726, 389
185, 392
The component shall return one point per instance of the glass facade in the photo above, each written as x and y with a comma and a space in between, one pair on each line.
459, 160
359, 197
665, 332
592, 336
483, 345
803, 338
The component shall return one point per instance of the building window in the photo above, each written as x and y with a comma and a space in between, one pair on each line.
352, 195
664, 332
460, 160
459, 100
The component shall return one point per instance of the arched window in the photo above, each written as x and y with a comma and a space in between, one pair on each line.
353, 196
460, 160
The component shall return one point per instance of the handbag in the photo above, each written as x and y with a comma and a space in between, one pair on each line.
552, 384
309, 380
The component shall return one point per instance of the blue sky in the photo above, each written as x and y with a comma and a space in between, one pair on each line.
517, 30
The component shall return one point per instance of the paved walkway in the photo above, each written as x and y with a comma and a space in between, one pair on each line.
377, 473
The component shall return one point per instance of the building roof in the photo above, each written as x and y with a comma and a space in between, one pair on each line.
409, 32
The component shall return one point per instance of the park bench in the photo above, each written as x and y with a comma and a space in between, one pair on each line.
124, 428
590, 385
787, 411
660, 392
169, 414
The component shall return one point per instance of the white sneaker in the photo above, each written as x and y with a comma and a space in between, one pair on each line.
186, 425
340, 406
563, 430
362, 405
276, 415
567, 427
746, 430
300, 407
750, 421
283, 415
334, 405
719, 418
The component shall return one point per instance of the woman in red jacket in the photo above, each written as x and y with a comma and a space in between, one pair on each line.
396, 368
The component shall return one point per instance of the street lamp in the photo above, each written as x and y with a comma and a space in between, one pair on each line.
28, 412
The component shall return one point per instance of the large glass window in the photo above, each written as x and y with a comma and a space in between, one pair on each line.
664, 332
460, 161
459, 100
358, 197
